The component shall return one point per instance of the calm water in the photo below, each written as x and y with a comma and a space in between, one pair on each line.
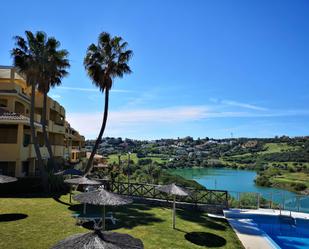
234, 181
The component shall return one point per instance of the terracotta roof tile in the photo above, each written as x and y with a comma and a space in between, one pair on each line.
12, 116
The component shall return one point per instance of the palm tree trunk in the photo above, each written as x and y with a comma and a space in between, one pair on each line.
97, 142
35, 140
46, 139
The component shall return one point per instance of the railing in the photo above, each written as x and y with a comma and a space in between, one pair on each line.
270, 200
197, 196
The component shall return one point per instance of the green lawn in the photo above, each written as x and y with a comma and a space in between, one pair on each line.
114, 158
289, 178
49, 220
271, 148
277, 147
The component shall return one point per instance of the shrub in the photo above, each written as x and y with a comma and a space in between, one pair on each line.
299, 186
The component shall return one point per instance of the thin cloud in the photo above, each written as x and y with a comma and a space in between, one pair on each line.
243, 105
56, 96
238, 104
91, 89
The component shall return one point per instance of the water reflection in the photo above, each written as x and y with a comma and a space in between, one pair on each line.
236, 181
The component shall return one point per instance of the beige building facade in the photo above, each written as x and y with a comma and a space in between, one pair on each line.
17, 154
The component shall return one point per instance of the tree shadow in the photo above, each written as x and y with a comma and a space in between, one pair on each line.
12, 217
180, 230
205, 239
202, 219
57, 199
126, 216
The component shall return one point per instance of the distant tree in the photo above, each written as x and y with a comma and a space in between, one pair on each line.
103, 63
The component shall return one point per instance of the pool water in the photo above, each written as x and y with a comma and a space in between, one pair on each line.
286, 232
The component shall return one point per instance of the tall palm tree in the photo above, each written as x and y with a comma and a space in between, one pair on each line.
54, 71
103, 63
28, 58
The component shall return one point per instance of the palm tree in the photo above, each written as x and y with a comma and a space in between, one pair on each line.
54, 71
103, 63
28, 58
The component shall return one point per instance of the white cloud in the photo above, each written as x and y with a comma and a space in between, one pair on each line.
139, 121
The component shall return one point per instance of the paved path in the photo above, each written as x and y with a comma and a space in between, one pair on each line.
250, 235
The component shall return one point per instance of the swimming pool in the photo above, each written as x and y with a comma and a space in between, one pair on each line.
288, 231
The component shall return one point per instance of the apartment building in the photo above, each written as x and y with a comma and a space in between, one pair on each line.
17, 154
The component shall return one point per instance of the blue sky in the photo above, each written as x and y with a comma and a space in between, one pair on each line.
200, 68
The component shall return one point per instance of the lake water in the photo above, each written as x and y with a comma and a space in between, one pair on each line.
236, 181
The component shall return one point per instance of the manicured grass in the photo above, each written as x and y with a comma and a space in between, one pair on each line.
272, 148
49, 220
277, 147
289, 178
114, 158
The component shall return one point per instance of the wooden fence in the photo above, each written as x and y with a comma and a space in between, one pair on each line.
197, 196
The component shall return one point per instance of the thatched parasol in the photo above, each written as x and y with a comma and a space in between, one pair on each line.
100, 240
101, 197
81, 181
173, 189
69, 172
7, 179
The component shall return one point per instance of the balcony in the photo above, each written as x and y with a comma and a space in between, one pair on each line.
32, 153
58, 150
52, 127
37, 118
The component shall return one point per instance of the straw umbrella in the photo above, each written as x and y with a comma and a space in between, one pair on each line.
69, 172
100, 240
101, 197
173, 189
81, 181
7, 179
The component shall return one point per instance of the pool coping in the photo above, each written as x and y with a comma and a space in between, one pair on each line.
260, 239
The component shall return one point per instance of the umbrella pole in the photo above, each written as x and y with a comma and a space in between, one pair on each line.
103, 221
84, 208
174, 211
70, 194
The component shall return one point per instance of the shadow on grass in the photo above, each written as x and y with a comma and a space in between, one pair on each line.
202, 219
57, 199
126, 216
12, 217
205, 239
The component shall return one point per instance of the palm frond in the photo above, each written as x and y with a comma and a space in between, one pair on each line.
107, 60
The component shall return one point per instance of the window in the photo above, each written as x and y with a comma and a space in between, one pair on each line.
19, 108
3, 102
8, 134
27, 140
25, 168
40, 139
56, 139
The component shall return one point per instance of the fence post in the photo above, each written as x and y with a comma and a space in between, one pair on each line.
258, 200
239, 204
